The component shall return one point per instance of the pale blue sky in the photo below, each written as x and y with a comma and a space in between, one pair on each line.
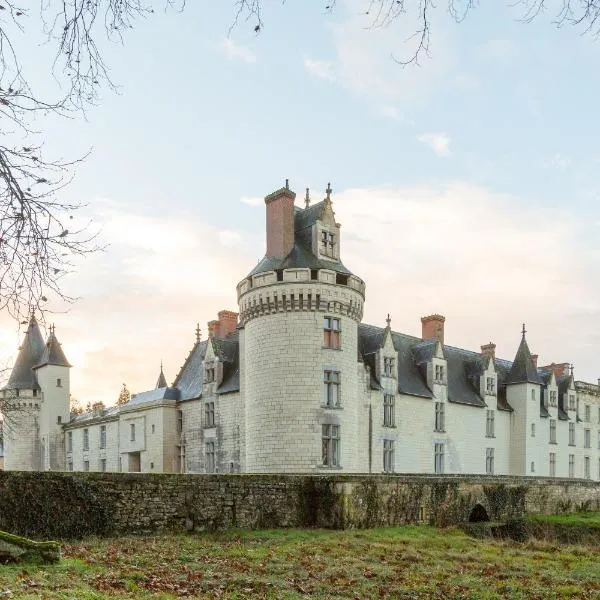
467, 185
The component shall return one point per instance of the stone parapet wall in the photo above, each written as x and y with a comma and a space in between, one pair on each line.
70, 505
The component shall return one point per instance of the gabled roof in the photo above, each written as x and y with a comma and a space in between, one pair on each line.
523, 370
22, 375
53, 353
189, 379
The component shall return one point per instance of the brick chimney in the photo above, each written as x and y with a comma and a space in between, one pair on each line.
489, 350
280, 222
213, 329
227, 322
558, 369
534, 358
433, 327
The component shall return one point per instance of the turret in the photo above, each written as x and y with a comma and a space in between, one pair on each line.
299, 312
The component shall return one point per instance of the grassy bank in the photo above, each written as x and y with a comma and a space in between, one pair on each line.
403, 562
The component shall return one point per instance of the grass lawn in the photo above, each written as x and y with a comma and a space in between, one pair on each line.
401, 562
584, 519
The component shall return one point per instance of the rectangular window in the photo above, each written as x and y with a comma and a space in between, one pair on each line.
331, 388
571, 434
210, 457
59, 383
327, 243
331, 445
553, 431
586, 467
388, 456
553, 398
389, 412
331, 332
209, 414
439, 416
388, 366
70, 465
103, 465
86, 465
439, 373
533, 395
490, 424
70, 441
210, 374
489, 461
490, 385
587, 438
438, 458
102, 436
179, 421
571, 401
132, 432
35, 393
571, 465
552, 464
532, 467
587, 413
533, 430
86, 439
59, 419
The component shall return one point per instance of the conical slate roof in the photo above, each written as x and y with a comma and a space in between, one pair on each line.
523, 370
53, 353
162, 381
30, 353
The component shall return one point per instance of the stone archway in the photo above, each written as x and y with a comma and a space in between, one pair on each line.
478, 514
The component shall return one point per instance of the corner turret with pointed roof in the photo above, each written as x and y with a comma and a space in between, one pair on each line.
30, 354
53, 353
161, 381
523, 369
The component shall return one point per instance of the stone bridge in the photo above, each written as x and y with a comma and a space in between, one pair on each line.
71, 505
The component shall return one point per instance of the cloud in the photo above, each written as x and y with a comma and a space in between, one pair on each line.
320, 68
438, 142
235, 51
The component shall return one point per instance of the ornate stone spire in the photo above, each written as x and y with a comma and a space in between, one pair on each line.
328, 191
197, 333
162, 381
30, 353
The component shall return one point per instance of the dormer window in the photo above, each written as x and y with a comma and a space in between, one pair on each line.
571, 401
490, 385
553, 398
439, 373
210, 374
388, 366
328, 243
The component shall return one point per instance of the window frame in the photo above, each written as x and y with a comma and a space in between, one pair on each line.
389, 410
552, 431
102, 437
86, 439
388, 456
332, 333
332, 380
489, 461
552, 464
439, 424
572, 441
210, 456
209, 414
438, 458
490, 423
330, 445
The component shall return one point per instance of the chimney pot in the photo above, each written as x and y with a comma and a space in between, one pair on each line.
227, 322
489, 350
433, 327
213, 329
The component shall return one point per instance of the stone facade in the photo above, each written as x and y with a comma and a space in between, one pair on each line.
296, 383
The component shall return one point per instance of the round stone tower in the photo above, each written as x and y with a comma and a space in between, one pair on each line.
300, 308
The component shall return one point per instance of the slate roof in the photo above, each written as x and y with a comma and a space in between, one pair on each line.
165, 393
53, 353
161, 382
31, 351
522, 369
189, 379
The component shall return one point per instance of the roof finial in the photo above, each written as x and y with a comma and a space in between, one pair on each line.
328, 191
571, 367
197, 332
388, 320
287, 184
524, 331
307, 198
52, 329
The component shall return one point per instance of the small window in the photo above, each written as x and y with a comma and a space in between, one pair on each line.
490, 424
489, 461
553, 431
552, 464
571, 434
587, 438
209, 414
103, 465
388, 456
152, 465
86, 465
132, 432
35, 393
331, 445
389, 412
331, 389
490, 385
59, 382
153, 428
532, 466
328, 243
439, 373
389, 365
59, 419
179, 421
209, 450
70, 441
533, 430
70, 465
533, 395
331, 332
571, 465
439, 416
102, 436
438, 458
588, 413
571, 401
553, 398
86, 439
586, 467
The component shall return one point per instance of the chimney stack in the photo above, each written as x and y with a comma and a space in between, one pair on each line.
534, 358
227, 322
213, 329
280, 222
558, 369
489, 350
433, 327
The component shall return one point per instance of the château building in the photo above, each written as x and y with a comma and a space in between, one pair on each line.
295, 382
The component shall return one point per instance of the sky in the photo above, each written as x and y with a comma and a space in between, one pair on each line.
466, 185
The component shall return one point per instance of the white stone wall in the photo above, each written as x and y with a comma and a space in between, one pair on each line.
22, 448
78, 456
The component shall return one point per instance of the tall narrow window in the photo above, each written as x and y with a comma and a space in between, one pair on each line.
571, 465
210, 457
331, 445
439, 373
490, 385
553, 431
552, 464
553, 398
132, 432
327, 243
59, 383
490, 424
489, 461
438, 458
439, 416
389, 412
70, 441
86, 465
86, 439
533, 430
388, 366
331, 389
103, 465
209, 414
331, 332
587, 438
388, 456
179, 421
586, 467
571, 401
102, 436
533, 394
587, 413
571, 434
